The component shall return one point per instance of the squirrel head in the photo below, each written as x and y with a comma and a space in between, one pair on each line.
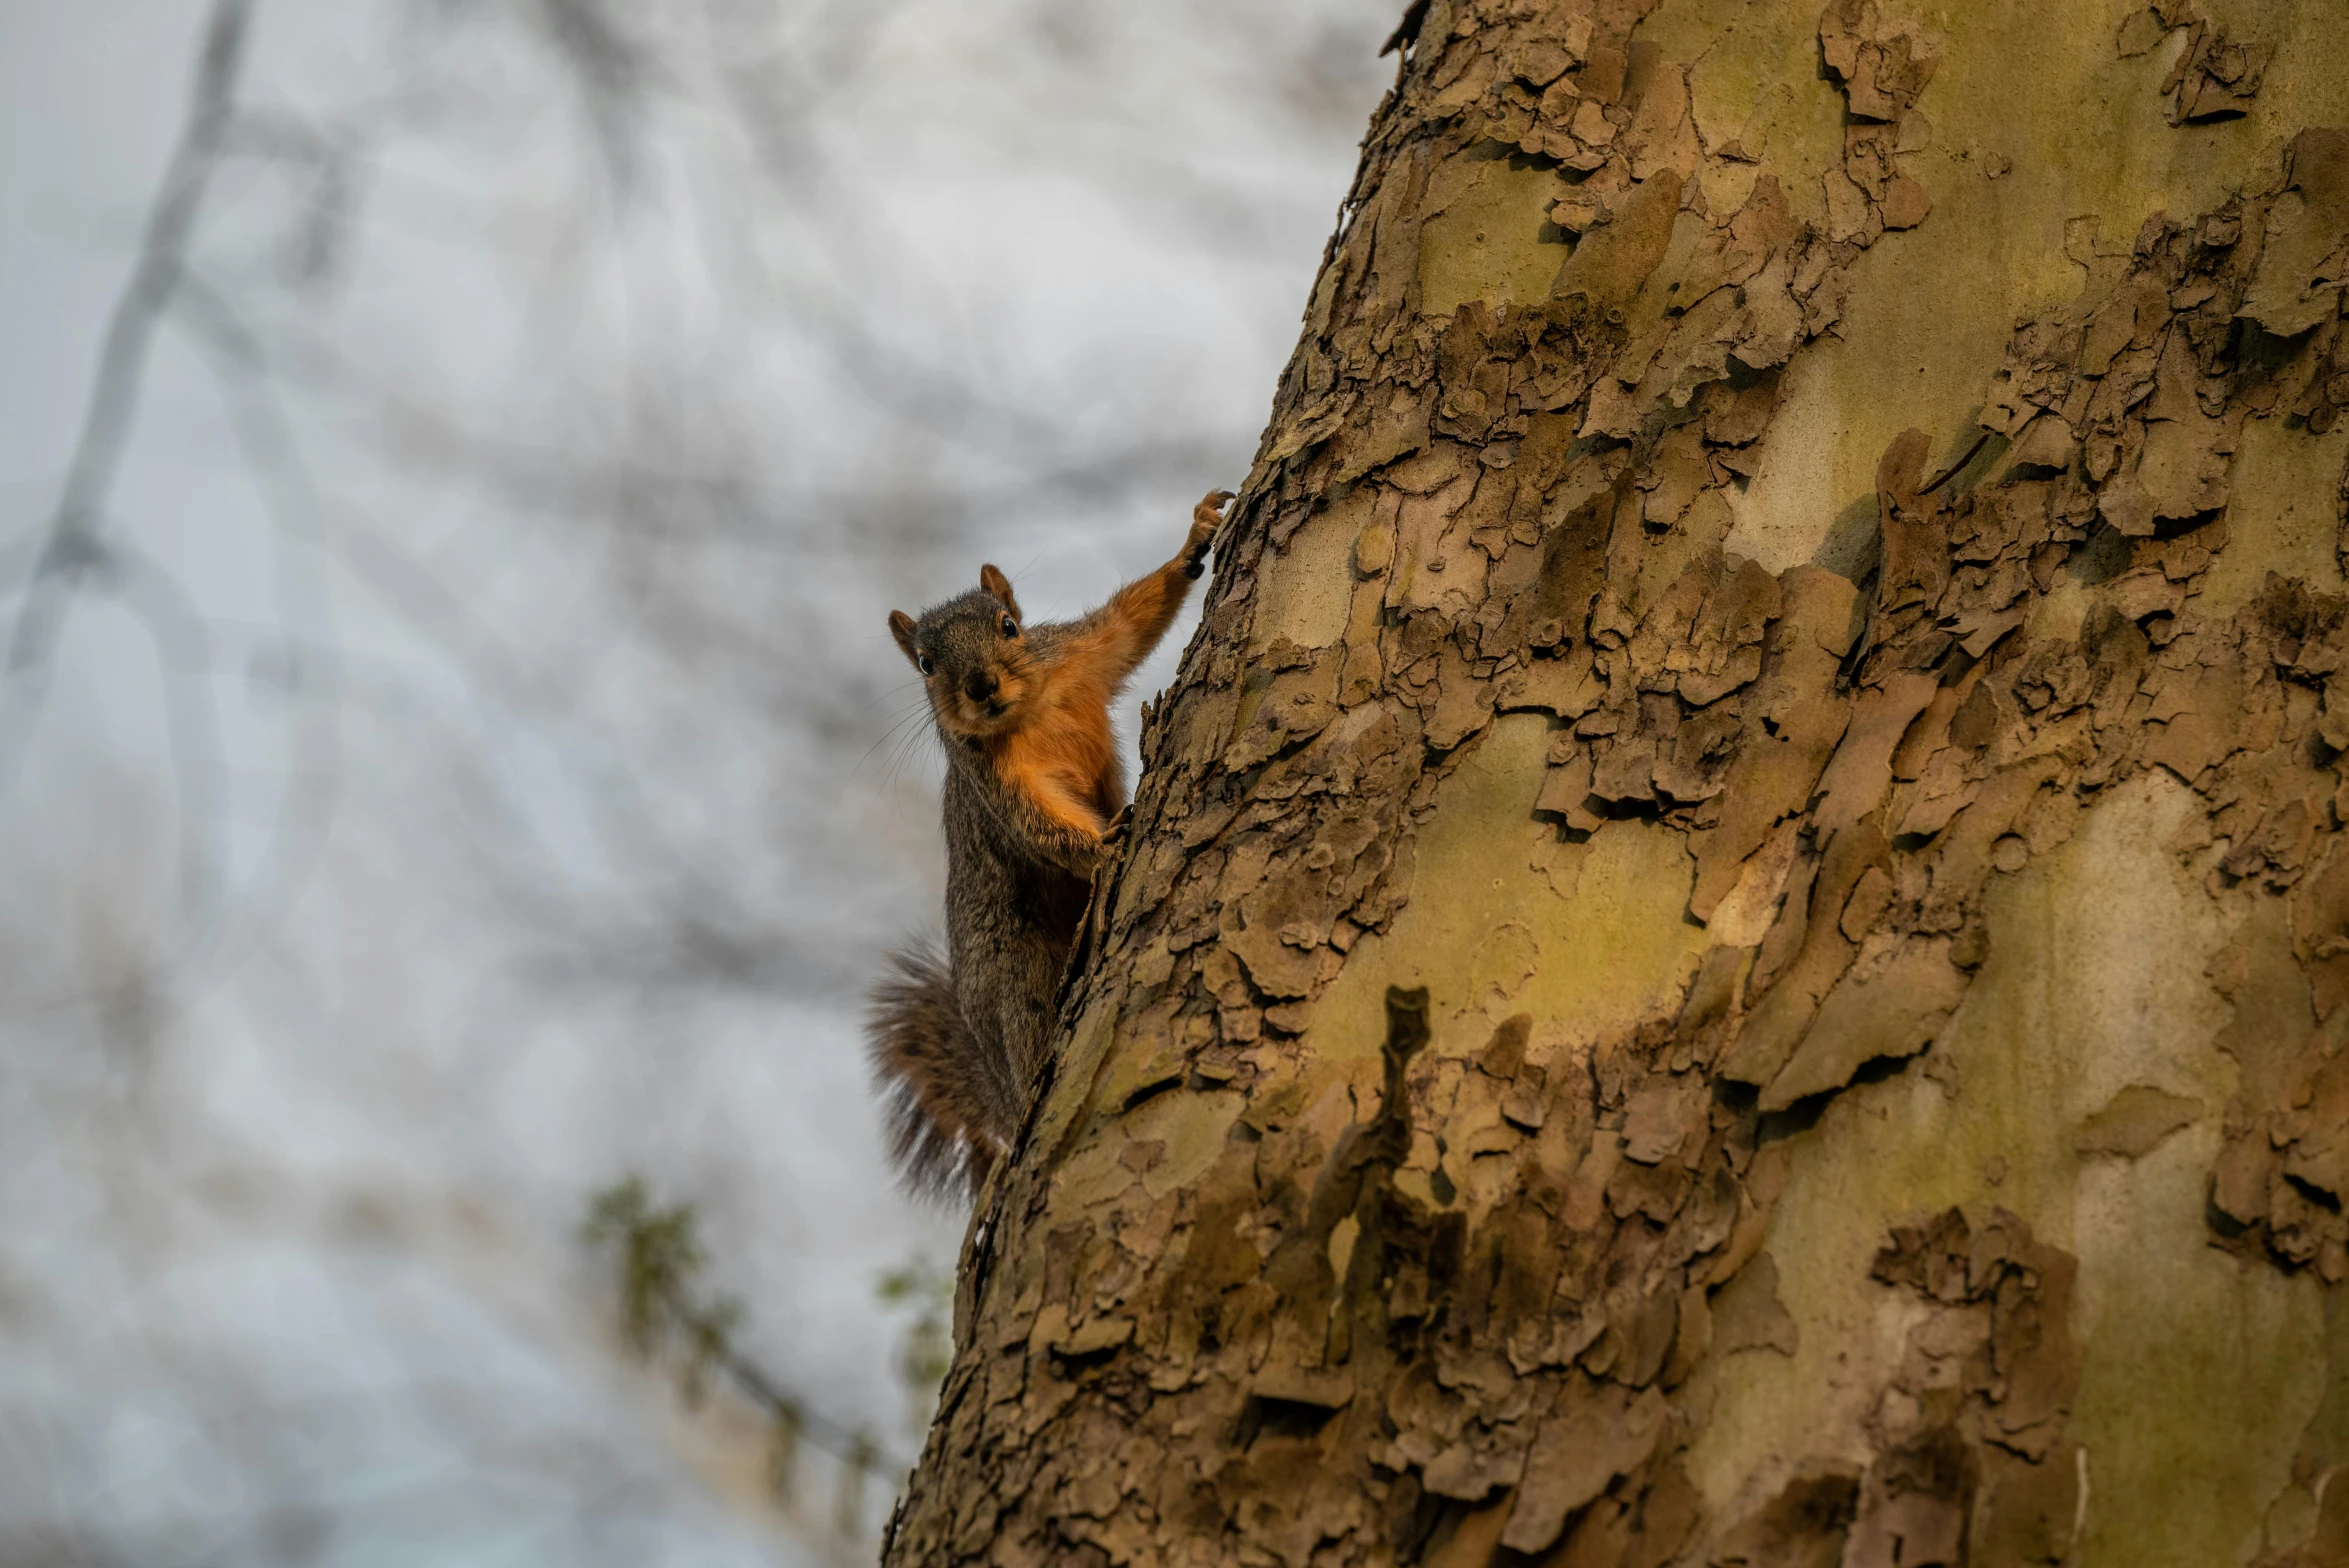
973, 657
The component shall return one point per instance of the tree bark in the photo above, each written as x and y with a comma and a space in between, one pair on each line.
1688, 987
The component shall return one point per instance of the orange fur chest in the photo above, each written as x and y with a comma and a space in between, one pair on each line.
1066, 742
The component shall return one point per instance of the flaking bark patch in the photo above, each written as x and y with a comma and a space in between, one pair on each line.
1971, 1459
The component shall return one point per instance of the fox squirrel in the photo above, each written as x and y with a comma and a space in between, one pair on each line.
1035, 794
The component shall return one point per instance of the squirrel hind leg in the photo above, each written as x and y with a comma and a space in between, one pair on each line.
936, 1106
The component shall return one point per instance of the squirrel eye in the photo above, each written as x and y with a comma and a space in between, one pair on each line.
1011, 628
922, 663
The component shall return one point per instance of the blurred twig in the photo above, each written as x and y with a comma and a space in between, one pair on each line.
926, 1354
74, 551
657, 1260
78, 552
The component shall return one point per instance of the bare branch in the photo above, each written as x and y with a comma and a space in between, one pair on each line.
74, 544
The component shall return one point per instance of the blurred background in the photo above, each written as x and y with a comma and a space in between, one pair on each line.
456, 457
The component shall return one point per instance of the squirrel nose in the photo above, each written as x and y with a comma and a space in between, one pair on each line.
980, 685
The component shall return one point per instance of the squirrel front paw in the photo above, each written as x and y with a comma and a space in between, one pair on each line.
1206, 518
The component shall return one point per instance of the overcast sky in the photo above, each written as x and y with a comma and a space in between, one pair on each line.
467, 774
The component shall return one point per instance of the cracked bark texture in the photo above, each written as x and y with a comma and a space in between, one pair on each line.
1735, 937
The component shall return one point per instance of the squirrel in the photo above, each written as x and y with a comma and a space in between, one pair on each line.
1034, 801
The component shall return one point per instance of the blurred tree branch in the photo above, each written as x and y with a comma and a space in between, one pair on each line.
657, 1261
74, 551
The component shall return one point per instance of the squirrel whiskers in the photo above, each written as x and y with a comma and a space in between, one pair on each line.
1034, 792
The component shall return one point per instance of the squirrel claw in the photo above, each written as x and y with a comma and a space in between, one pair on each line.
1206, 518
1114, 835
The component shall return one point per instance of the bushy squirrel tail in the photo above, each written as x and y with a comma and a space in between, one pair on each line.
934, 1094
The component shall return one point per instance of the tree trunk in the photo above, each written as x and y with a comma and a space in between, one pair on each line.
1689, 988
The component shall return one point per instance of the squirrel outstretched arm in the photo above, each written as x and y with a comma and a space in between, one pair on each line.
1116, 638
1034, 787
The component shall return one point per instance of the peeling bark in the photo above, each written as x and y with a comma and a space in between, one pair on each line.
1543, 892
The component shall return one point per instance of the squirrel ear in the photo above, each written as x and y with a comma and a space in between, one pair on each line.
1000, 587
901, 627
